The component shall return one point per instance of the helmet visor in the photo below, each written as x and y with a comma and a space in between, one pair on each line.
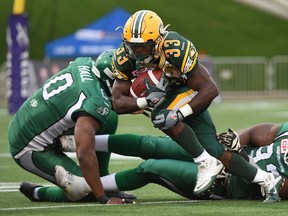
140, 51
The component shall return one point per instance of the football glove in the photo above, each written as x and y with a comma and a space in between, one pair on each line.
147, 112
156, 92
231, 140
167, 119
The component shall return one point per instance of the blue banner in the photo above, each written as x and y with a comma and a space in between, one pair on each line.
17, 62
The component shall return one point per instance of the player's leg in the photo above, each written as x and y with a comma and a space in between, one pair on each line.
184, 135
233, 162
134, 145
177, 176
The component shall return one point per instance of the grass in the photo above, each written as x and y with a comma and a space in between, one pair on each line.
152, 199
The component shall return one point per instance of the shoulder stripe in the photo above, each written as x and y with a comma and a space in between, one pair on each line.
185, 56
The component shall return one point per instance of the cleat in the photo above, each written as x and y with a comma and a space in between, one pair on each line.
27, 189
67, 143
207, 173
74, 186
121, 194
270, 188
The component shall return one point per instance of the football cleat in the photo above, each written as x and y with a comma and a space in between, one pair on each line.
27, 188
270, 188
67, 143
74, 186
207, 173
121, 194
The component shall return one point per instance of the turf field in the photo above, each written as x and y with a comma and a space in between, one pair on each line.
152, 199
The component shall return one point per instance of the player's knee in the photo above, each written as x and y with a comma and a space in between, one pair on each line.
147, 147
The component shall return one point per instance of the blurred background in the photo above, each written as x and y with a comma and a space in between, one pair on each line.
243, 43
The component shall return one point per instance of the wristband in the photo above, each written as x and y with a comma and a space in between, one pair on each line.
104, 199
186, 110
142, 103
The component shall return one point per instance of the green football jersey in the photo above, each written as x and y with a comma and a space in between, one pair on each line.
53, 109
273, 158
178, 57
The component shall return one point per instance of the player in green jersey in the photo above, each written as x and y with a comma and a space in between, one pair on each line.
265, 144
165, 163
180, 107
73, 99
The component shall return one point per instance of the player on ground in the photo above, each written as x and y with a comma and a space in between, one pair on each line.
166, 164
179, 112
265, 144
73, 99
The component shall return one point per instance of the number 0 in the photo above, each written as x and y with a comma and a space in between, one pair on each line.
67, 77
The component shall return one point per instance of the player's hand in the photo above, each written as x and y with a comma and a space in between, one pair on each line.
231, 140
167, 119
157, 92
114, 200
147, 112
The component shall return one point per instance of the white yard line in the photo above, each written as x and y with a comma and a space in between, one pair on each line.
96, 204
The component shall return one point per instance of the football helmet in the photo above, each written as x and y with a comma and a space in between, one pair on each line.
141, 35
104, 68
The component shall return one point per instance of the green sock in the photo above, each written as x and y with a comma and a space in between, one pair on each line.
130, 180
125, 144
103, 159
188, 140
52, 194
241, 168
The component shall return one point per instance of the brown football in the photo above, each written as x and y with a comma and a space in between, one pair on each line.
138, 87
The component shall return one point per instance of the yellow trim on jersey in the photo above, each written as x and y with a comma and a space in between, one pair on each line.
185, 56
182, 99
192, 58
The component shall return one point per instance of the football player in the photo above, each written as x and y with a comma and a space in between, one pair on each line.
265, 144
179, 111
73, 99
165, 163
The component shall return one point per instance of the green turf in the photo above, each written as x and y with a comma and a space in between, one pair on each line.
152, 199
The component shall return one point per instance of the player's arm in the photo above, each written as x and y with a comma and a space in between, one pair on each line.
85, 130
122, 102
259, 135
201, 81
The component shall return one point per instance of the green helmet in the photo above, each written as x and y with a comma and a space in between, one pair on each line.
103, 64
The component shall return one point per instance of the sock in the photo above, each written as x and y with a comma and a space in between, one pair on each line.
259, 176
202, 157
109, 183
52, 194
35, 193
188, 140
130, 180
240, 167
101, 143
103, 159
121, 144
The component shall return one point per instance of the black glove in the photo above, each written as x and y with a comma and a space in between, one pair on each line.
231, 140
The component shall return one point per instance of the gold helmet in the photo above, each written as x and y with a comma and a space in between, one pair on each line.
141, 35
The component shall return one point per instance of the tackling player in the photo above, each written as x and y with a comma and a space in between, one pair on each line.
166, 164
73, 99
178, 112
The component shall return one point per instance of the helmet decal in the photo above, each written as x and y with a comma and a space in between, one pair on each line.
137, 24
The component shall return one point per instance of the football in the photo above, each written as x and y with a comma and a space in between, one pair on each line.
138, 87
